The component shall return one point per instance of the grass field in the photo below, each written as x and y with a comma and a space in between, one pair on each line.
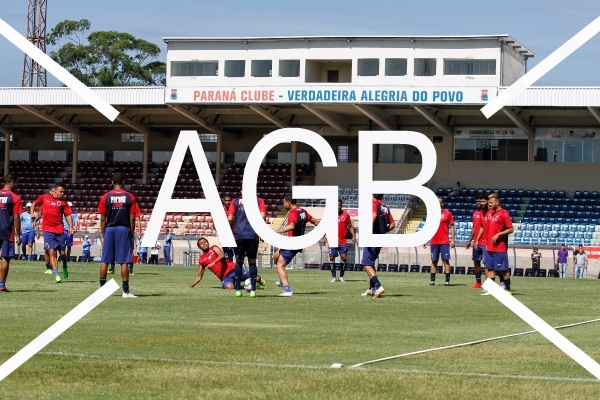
173, 342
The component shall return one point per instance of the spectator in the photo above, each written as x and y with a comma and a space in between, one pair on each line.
456, 191
154, 254
87, 245
580, 261
561, 264
535, 261
143, 252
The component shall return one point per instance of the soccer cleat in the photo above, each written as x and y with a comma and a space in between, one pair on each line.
379, 292
48, 272
486, 293
333, 280
262, 282
129, 295
238, 293
4, 290
57, 279
482, 291
432, 283
369, 292
446, 283
476, 285
502, 285
278, 283
286, 294
509, 292
342, 280
66, 272
252, 294
111, 271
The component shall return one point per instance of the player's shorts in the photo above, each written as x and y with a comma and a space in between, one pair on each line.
68, 239
499, 261
478, 253
438, 250
54, 241
27, 237
117, 245
370, 255
230, 278
487, 260
229, 253
288, 255
8, 248
246, 248
334, 251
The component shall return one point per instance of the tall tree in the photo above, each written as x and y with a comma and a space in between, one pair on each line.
106, 58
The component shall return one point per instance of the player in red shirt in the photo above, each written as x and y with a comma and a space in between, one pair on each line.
441, 245
344, 226
499, 227
53, 208
479, 252
10, 226
214, 259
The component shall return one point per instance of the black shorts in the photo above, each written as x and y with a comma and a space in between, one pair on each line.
246, 248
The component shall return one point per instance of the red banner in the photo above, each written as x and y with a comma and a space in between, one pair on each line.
592, 252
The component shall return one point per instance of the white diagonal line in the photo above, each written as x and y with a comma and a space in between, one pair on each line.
542, 327
59, 327
542, 68
62, 74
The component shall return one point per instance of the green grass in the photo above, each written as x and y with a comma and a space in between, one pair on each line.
173, 342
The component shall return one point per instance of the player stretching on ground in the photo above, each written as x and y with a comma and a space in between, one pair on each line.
500, 226
10, 226
229, 251
478, 254
441, 245
27, 232
383, 222
246, 240
213, 258
53, 208
297, 219
344, 225
117, 210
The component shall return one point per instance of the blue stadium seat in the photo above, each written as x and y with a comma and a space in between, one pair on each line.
561, 193
545, 193
594, 195
553, 193
585, 194
577, 194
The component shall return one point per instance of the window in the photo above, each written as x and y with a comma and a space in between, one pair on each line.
342, 154
262, 68
63, 137
3, 138
425, 66
208, 137
469, 67
567, 151
132, 137
491, 149
235, 68
395, 66
289, 68
368, 67
194, 68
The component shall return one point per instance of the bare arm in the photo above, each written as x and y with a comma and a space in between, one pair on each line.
198, 277
102, 224
353, 233
70, 224
286, 228
453, 230
18, 231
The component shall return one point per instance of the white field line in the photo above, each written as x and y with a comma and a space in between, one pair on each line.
542, 68
58, 328
412, 353
543, 328
312, 367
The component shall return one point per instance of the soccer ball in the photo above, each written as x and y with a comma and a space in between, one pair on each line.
247, 285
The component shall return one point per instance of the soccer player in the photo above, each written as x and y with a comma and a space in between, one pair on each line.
87, 246
117, 210
229, 251
383, 222
143, 251
499, 226
53, 208
167, 247
344, 225
441, 245
213, 258
68, 239
246, 240
478, 254
10, 207
296, 224
27, 220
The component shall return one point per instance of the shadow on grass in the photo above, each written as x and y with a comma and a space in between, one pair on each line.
33, 291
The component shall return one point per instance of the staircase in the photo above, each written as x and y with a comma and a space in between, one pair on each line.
419, 214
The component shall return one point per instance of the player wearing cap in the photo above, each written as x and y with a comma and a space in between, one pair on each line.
117, 210
87, 246
53, 208
68, 239
27, 232
10, 227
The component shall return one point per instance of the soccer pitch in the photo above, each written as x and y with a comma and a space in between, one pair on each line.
176, 342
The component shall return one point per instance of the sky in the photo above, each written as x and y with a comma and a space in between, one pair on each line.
541, 26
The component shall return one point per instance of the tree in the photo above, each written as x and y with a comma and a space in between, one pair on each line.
106, 58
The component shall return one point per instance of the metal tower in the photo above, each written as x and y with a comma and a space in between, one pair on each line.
33, 73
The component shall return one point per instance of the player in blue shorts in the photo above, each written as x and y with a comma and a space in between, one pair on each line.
383, 222
344, 226
27, 232
479, 252
10, 226
228, 251
441, 245
499, 226
297, 219
117, 209
68, 239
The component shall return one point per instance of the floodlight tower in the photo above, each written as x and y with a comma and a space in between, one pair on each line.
33, 73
